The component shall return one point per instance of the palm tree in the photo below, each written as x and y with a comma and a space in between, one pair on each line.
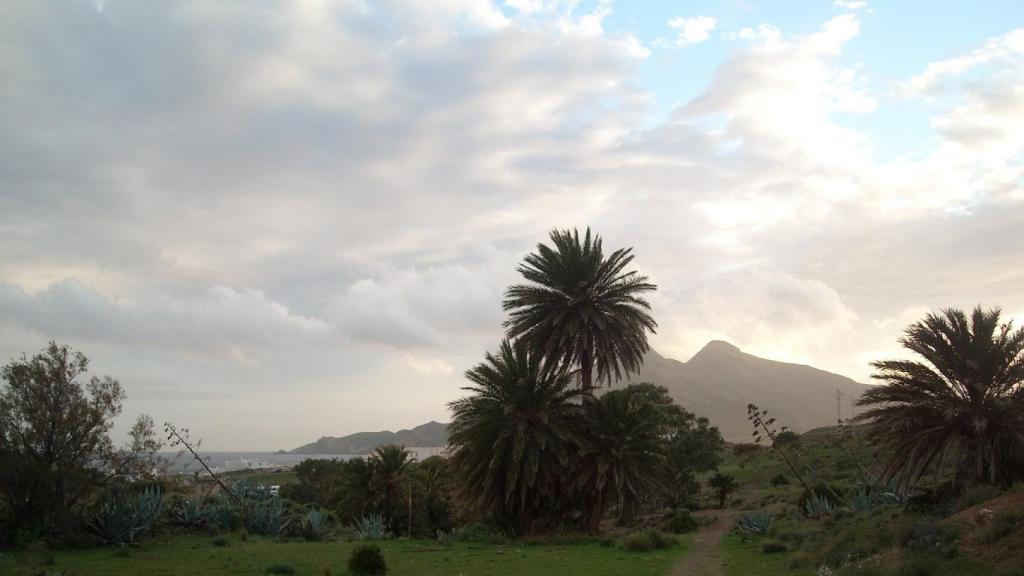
388, 464
724, 484
624, 454
965, 402
513, 439
581, 309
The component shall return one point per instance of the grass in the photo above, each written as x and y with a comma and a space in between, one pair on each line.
744, 557
196, 556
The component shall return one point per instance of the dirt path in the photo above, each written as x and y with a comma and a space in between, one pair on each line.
704, 558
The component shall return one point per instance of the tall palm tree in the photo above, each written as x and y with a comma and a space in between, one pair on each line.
965, 402
388, 464
581, 309
624, 454
513, 439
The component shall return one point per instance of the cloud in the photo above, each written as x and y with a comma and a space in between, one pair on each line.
766, 312
692, 30
850, 4
428, 365
220, 320
316, 207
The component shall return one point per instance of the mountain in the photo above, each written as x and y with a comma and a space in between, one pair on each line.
429, 435
720, 380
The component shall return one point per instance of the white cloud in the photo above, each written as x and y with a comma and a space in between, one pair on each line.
693, 30
318, 209
426, 365
850, 4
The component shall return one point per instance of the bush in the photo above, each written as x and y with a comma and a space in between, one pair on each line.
649, 540
681, 522
281, 568
927, 537
367, 560
772, 547
779, 480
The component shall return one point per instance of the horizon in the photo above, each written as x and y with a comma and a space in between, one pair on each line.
280, 224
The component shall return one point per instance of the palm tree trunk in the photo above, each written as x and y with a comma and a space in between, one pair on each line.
586, 368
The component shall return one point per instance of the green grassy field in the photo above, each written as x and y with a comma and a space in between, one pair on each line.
197, 556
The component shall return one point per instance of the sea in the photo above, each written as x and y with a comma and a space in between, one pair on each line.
186, 464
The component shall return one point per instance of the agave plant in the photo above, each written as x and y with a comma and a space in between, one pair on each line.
221, 512
192, 513
248, 489
315, 524
149, 505
124, 517
371, 527
756, 523
862, 500
267, 517
115, 521
817, 506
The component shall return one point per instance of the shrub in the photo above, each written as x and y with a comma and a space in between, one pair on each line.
681, 522
367, 560
479, 533
772, 547
779, 480
281, 568
648, 540
928, 537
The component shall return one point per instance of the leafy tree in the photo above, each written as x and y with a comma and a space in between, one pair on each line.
696, 447
965, 401
723, 484
624, 454
692, 445
581, 309
55, 448
514, 437
786, 438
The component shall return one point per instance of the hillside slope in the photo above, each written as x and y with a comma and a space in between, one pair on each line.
720, 380
429, 435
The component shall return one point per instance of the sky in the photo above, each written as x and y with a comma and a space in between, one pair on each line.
275, 221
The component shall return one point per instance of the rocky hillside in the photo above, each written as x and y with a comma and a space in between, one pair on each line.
720, 380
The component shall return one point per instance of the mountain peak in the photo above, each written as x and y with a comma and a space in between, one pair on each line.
717, 348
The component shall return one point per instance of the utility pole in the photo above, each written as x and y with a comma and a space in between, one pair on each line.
839, 415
